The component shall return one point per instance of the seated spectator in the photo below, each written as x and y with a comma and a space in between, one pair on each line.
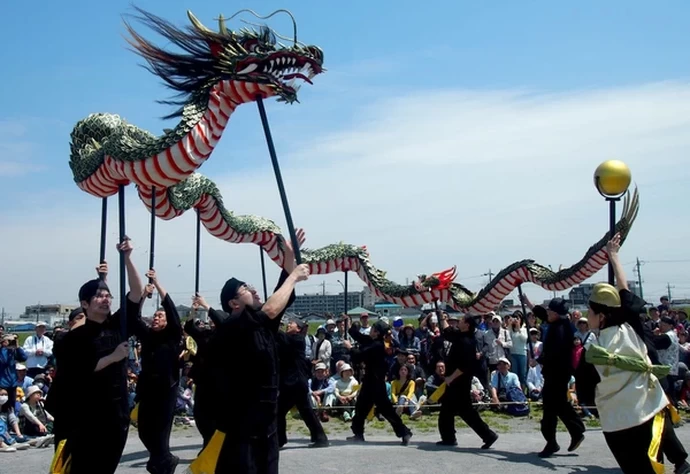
477, 392
9, 423
321, 390
400, 360
501, 381
345, 393
185, 397
535, 381
435, 381
403, 393
34, 419
23, 380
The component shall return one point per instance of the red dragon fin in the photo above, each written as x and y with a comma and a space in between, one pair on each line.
445, 278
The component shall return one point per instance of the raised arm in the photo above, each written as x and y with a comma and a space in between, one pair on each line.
136, 286
171, 313
278, 301
612, 248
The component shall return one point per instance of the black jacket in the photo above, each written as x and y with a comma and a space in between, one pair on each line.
160, 351
462, 355
557, 351
294, 366
372, 353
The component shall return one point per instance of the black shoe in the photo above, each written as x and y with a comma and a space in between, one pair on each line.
549, 450
406, 439
355, 438
447, 443
322, 443
683, 468
490, 441
576, 442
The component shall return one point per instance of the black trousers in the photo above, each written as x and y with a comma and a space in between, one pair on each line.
374, 393
298, 395
204, 416
630, 447
156, 412
456, 402
555, 406
254, 456
98, 449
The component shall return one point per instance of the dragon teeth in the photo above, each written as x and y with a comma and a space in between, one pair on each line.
248, 69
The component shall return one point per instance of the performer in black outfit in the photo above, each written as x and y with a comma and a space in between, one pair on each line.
94, 360
201, 374
460, 365
557, 369
244, 360
294, 374
372, 353
159, 379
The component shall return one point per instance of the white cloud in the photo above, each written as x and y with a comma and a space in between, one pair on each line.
426, 180
16, 151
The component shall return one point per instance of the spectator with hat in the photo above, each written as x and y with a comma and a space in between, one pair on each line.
322, 350
322, 390
668, 349
23, 380
557, 369
34, 419
10, 354
364, 324
497, 342
346, 390
408, 340
38, 348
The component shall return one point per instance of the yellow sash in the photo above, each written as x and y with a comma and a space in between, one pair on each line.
134, 414
438, 393
61, 460
657, 432
370, 416
208, 458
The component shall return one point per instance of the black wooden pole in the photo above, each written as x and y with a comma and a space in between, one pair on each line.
345, 299
612, 232
263, 272
123, 270
279, 179
152, 245
104, 230
198, 251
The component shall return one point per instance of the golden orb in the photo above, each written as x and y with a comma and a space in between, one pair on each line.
612, 178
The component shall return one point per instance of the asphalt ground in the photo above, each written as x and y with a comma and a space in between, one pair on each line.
514, 452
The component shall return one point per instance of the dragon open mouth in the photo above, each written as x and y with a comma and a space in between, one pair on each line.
284, 70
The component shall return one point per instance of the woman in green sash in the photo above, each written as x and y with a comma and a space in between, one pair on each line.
634, 409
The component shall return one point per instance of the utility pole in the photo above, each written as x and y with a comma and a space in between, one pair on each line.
323, 285
639, 277
668, 287
3, 316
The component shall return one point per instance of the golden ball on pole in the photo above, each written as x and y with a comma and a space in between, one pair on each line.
612, 178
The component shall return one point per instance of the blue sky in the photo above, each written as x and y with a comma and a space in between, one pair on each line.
613, 58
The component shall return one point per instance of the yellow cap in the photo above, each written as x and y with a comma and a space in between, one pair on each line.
606, 295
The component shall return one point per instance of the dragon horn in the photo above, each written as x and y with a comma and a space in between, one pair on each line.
197, 24
221, 25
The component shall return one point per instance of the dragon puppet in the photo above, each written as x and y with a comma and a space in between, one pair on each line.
213, 74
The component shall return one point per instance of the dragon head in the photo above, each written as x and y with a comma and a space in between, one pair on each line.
210, 57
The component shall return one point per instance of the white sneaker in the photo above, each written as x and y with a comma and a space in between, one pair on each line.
21, 446
416, 415
45, 441
8, 449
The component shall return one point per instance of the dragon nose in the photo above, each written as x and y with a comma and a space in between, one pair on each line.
316, 52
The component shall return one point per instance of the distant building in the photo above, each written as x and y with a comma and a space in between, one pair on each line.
326, 303
579, 295
51, 314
